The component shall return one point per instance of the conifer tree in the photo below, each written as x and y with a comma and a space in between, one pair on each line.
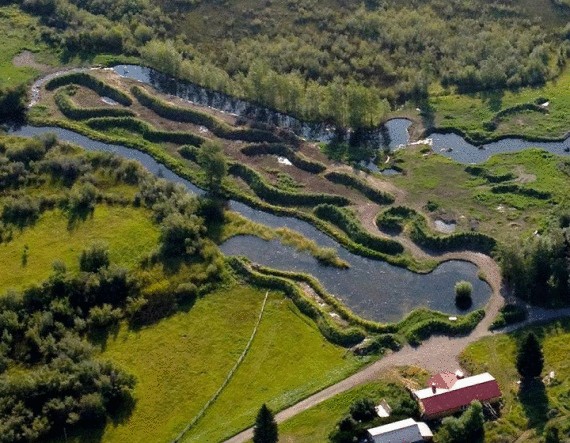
265, 429
530, 360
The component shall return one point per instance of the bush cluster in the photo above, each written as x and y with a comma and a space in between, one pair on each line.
394, 219
508, 315
492, 124
349, 224
188, 115
516, 189
491, 178
373, 194
93, 83
298, 159
146, 130
473, 241
274, 195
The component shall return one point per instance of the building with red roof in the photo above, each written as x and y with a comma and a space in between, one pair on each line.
449, 393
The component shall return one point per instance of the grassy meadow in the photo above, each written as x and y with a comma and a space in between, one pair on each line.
128, 232
466, 198
182, 360
525, 414
468, 112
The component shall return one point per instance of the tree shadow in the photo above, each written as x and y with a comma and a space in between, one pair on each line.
78, 215
100, 336
534, 400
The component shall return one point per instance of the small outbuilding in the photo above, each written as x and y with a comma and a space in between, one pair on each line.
448, 393
403, 431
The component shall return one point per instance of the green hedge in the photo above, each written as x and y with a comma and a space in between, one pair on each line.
188, 115
189, 152
492, 124
331, 300
373, 194
70, 110
146, 130
348, 223
299, 160
273, 195
473, 241
482, 172
87, 80
332, 332
516, 189
422, 324
378, 344
394, 219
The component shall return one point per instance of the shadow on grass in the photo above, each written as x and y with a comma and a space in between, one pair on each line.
494, 99
534, 400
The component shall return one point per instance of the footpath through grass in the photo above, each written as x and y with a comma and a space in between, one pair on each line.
181, 361
526, 412
128, 232
288, 361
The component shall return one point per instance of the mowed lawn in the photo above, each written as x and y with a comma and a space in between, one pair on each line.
181, 361
526, 413
128, 232
314, 425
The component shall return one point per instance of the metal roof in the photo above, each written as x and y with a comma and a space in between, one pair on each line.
403, 431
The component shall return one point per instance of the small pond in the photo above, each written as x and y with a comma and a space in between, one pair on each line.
445, 227
375, 290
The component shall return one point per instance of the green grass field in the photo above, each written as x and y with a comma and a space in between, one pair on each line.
19, 32
288, 361
525, 415
181, 361
129, 233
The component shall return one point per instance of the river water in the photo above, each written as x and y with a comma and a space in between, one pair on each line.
373, 289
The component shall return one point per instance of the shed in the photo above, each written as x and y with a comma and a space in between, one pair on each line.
403, 431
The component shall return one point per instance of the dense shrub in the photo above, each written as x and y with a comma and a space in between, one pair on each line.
94, 258
20, 211
492, 178
516, 189
273, 195
508, 315
463, 291
373, 194
473, 241
348, 223
181, 235
93, 83
363, 409
468, 427
70, 110
218, 127
394, 219
31, 150
299, 160
536, 268
13, 103
146, 130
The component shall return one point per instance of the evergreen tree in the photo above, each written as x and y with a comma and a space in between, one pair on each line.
530, 360
211, 158
265, 429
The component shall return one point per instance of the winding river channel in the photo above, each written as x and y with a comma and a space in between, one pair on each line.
373, 289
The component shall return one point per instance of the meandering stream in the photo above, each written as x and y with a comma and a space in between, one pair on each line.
374, 289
